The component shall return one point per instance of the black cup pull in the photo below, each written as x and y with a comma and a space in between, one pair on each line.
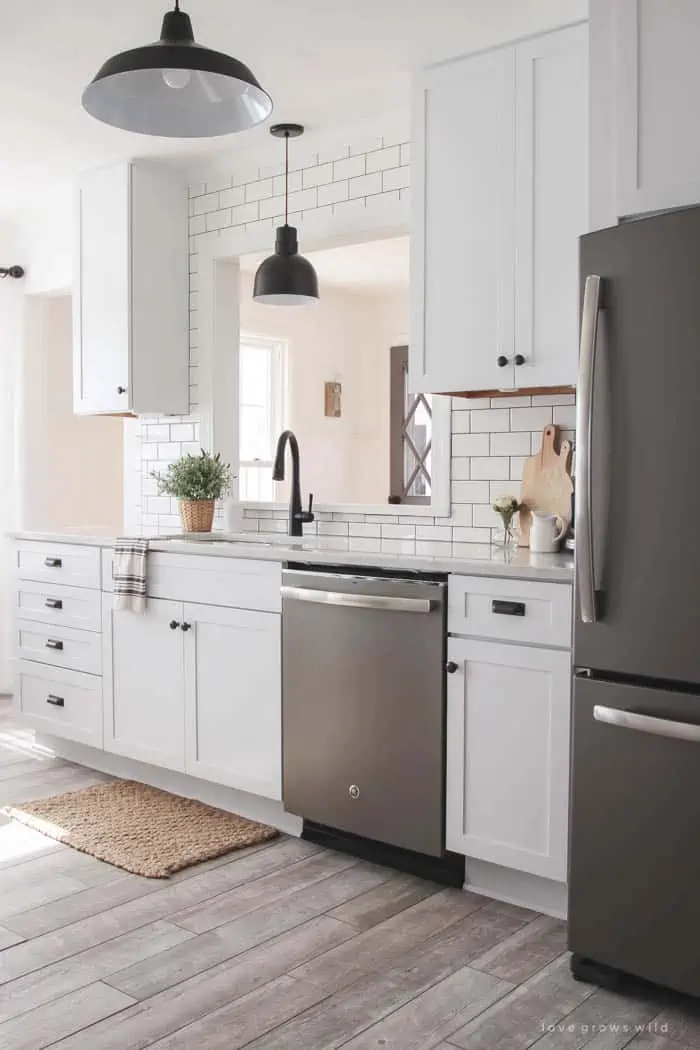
508, 608
502, 361
55, 701
186, 626
53, 563
519, 359
53, 643
173, 625
54, 603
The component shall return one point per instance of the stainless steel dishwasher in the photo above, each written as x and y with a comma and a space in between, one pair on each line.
363, 705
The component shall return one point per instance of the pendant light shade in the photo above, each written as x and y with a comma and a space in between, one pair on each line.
177, 88
286, 278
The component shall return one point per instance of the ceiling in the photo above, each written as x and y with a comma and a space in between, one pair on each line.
325, 62
374, 266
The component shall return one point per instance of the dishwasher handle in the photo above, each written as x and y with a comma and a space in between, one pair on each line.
360, 601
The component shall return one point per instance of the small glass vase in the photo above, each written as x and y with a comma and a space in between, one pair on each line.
506, 539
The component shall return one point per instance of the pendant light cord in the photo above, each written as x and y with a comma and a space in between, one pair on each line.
286, 178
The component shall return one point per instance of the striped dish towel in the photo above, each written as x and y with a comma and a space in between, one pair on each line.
129, 574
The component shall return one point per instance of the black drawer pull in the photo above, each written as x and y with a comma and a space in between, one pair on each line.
53, 643
508, 608
54, 603
53, 563
55, 701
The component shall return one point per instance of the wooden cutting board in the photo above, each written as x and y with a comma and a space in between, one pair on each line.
547, 486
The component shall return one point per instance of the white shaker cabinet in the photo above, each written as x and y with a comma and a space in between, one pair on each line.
508, 755
130, 295
499, 198
144, 683
645, 102
233, 690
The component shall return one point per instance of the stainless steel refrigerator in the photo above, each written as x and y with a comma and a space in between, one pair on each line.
634, 860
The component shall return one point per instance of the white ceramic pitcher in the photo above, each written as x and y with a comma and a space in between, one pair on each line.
546, 533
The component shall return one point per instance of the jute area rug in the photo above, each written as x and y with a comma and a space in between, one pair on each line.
140, 828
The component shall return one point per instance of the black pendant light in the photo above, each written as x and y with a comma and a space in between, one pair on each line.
177, 88
286, 278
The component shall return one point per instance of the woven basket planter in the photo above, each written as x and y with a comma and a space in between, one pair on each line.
197, 515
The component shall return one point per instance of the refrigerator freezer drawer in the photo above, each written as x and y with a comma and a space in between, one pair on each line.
634, 844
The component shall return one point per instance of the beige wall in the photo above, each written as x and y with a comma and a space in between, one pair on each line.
345, 338
72, 466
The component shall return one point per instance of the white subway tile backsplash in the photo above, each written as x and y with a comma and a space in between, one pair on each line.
349, 168
245, 213
509, 444
407, 547
461, 469
169, 450
433, 548
461, 534
517, 464
510, 402
367, 529
365, 185
464, 404
205, 203
461, 423
504, 488
182, 431
333, 193
490, 468
318, 176
296, 182
381, 159
462, 514
470, 491
398, 532
232, 198
530, 418
492, 419
565, 415
539, 400
257, 191
155, 432
470, 445
440, 533
332, 528
405, 153
396, 178
485, 516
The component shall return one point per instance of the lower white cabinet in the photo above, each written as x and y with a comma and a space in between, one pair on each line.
508, 755
144, 683
233, 698
196, 688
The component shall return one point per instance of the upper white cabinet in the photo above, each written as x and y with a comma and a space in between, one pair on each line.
131, 288
645, 87
500, 197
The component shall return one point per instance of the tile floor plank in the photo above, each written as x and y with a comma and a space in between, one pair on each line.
604, 1021
520, 1018
526, 952
269, 889
43, 1026
95, 964
8, 939
385, 901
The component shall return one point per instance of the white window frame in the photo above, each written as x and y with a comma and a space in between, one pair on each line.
277, 407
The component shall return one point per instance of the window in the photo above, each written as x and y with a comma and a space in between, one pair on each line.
261, 379
411, 432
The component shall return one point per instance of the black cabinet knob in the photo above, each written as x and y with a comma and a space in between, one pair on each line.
186, 626
121, 389
519, 359
451, 667
53, 563
502, 361
173, 625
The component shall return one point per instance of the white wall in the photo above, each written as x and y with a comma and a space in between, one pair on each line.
72, 466
345, 338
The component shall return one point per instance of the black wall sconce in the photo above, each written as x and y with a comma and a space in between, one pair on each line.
12, 271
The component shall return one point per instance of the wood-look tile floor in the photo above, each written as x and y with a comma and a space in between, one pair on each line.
282, 947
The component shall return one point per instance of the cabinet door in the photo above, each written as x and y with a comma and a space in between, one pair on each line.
462, 250
144, 683
508, 755
551, 135
101, 305
656, 85
233, 689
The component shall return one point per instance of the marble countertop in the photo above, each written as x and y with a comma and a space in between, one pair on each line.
473, 559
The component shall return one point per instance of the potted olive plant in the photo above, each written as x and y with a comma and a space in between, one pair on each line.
196, 482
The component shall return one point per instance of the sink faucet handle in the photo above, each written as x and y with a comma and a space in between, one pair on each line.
307, 516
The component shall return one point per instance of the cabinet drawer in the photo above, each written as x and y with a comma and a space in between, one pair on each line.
64, 703
235, 583
59, 646
57, 563
58, 605
510, 610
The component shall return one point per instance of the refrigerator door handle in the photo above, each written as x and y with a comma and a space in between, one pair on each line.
584, 428
612, 716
